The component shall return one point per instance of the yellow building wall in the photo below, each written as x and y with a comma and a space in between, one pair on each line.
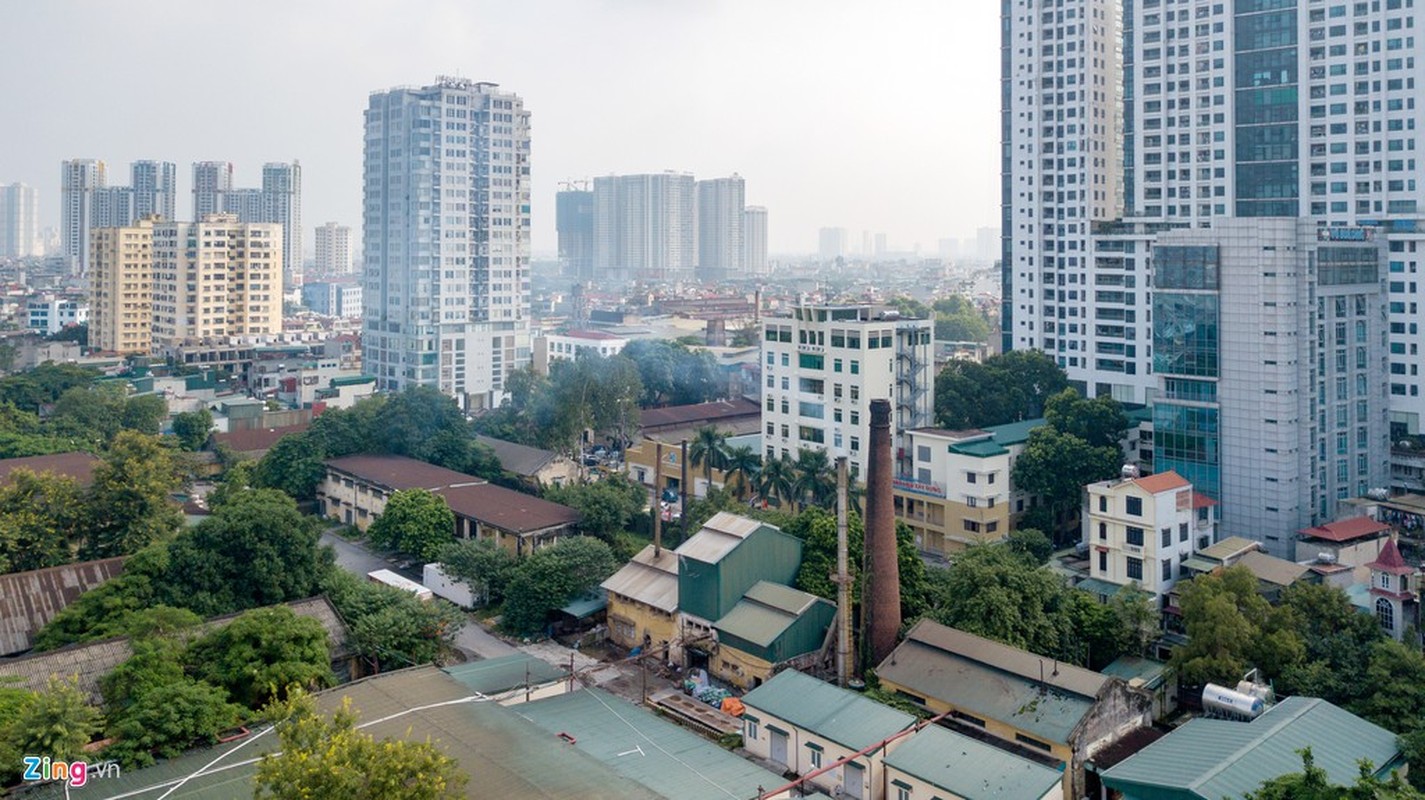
740, 669
940, 523
645, 453
1003, 730
625, 613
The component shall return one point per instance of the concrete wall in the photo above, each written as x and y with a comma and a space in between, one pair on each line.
799, 756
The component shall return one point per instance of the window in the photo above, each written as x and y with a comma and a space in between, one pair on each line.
1167, 569
969, 477
1103, 530
1134, 507
751, 727
902, 792
1183, 532
814, 752
1385, 613
1103, 503
1032, 742
1167, 537
1135, 536
1103, 562
1135, 569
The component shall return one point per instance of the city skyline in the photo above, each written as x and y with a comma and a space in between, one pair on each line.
859, 75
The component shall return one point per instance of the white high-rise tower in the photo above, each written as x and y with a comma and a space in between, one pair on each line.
79, 180
720, 205
446, 238
333, 250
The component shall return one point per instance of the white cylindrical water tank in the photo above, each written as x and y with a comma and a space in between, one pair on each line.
1228, 701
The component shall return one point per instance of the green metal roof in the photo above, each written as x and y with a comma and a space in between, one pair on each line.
503, 755
644, 748
1200, 564
587, 604
1130, 668
776, 622
497, 675
1099, 586
1013, 432
1216, 758
970, 768
984, 448
839, 715
353, 380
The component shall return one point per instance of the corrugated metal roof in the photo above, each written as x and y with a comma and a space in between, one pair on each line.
970, 768
29, 600
845, 717
718, 537
760, 621
1225, 549
497, 675
79, 466
1014, 432
648, 580
515, 457
992, 680
503, 755
1215, 758
670, 760
1273, 570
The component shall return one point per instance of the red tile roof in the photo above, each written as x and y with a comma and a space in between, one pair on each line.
79, 466
1162, 482
1346, 530
399, 472
1390, 560
1200, 500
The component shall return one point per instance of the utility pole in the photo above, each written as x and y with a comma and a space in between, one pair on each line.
658, 503
843, 580
683, 484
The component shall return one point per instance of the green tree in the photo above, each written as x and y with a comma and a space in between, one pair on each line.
482, 565
1100, 422
1005, 388
1231, 629
606, 506
415, 521
106, 610
169, 719
57, 722
1057, 465
43, 385
255, 550
132, 496
1339, 643
261, 654
552, 576
1032, 544
1137, 615
42, 519
816, 527
742, 468
193, 428
331, 758
294, 465
238, 478
777, 480
1312, 783
815, 482
390, 628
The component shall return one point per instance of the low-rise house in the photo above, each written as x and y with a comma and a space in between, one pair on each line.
1394, 593
802, 724
533, 465
29, 600
1209, 759
253, 443
356, 489
1353, 543
643, 600
566, 346
940, 763
1139, 530
1014, 699
739, 420
1273, 574
953, 488
512, 679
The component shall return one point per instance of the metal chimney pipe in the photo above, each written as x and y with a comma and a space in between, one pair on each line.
843, 580
658, 502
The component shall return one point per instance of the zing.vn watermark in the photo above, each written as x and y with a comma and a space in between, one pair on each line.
75, 773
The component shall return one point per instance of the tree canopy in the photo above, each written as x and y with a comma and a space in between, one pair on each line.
607, 505
552, 576
1010, 387
414, 521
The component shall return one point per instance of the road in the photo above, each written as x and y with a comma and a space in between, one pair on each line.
353, 557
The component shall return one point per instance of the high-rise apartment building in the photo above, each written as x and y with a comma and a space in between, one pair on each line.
754, 240
79, 180
831, 243
333, 245
279, 200
446, 238
155, 189
720, 206
574, 223
823, 365
121, 289
1288, 110
644, 228
20, 221
216, 280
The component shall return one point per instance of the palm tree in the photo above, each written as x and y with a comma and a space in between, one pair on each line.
744, 463
815, 481
708, 450
774, 480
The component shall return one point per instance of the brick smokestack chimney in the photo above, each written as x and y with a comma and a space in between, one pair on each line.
881, 591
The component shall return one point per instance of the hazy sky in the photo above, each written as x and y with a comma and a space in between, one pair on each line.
879, 115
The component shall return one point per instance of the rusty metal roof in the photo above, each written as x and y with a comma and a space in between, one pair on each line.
29, 600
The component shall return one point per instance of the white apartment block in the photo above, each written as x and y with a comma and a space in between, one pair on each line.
20, 222
446, 238
333, 250
333, 299
645, 228
721, 205
89, 203
49, 315
567, 346
79, 179
216, 280
121, 289
278, 200
754, 240
823, 365
1140, 531
211, 180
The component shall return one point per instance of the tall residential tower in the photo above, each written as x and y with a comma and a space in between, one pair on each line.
446, 238
721, 203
